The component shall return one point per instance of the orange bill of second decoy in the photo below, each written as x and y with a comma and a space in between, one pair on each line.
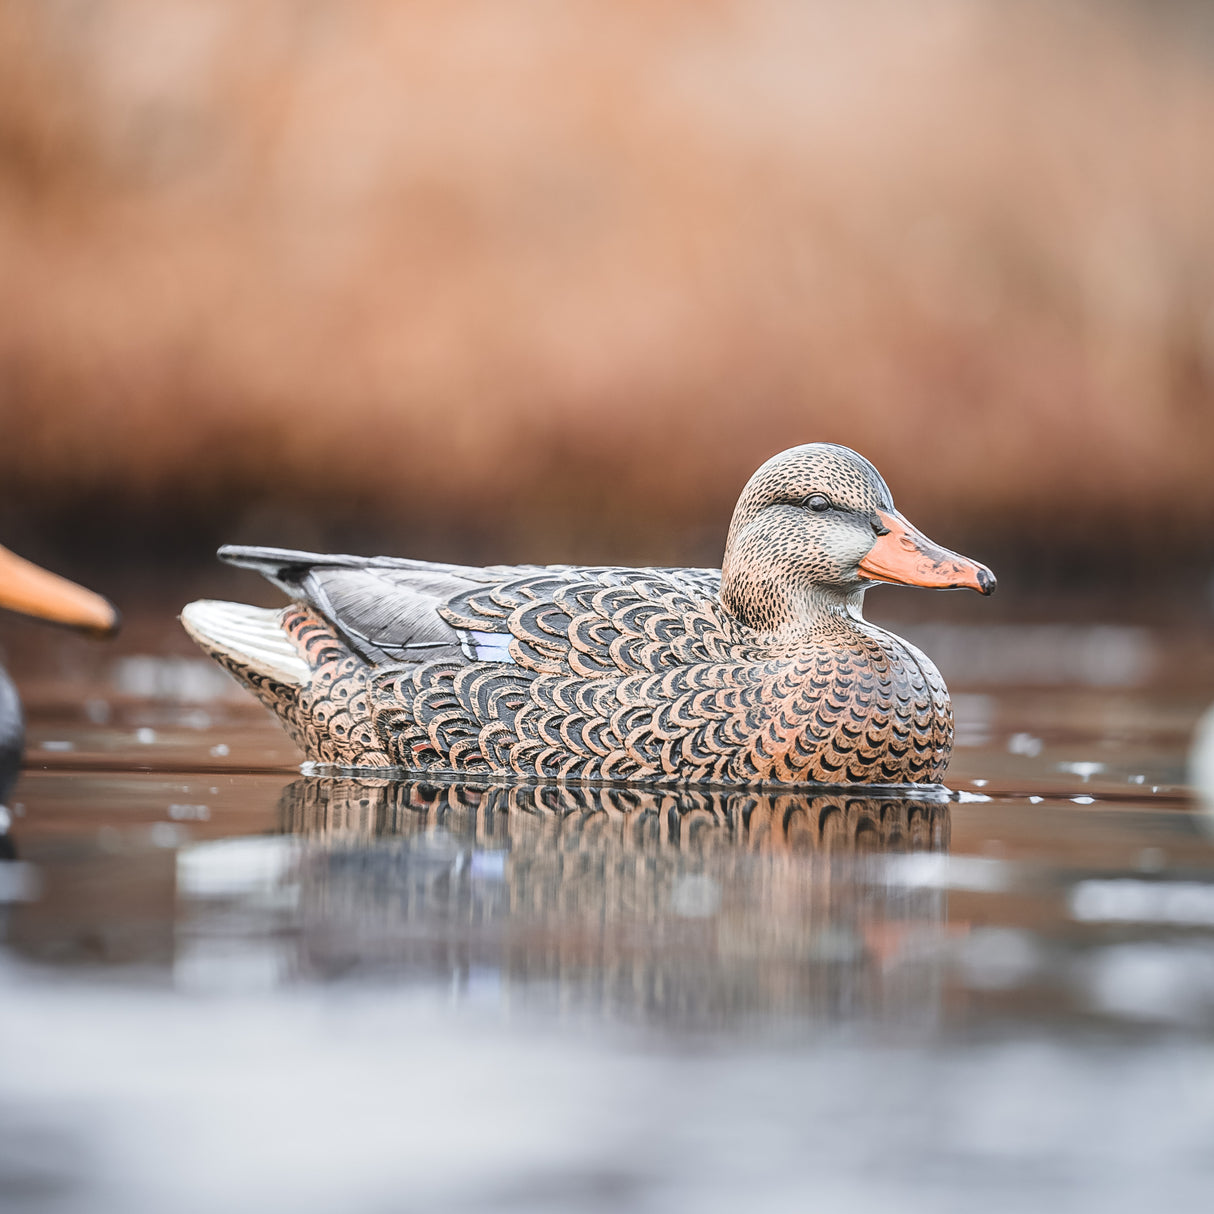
29, 590
905, 556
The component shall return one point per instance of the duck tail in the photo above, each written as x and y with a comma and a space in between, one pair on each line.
249, 642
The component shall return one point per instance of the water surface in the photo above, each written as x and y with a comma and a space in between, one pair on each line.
227, 984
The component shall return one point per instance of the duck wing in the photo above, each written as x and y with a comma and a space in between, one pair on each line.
394, 609
385, 608
546, 670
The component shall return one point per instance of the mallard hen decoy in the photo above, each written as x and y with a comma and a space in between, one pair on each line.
765, 670
28, 590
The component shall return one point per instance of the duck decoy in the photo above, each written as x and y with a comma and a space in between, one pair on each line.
764, 670
28, 590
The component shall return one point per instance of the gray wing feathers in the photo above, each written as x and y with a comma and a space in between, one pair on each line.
387, 612
272, 562
386, 617
387, 608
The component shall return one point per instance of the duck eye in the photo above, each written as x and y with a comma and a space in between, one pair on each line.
817, 503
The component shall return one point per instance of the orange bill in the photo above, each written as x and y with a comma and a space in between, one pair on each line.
32, 591
906, 557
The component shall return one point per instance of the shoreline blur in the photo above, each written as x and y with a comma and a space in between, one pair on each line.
549, 283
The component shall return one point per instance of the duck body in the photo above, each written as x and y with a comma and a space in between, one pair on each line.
765, 671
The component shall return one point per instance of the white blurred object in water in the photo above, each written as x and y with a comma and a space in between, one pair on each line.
233, 868
19, 882
1201, 764
180, 680
1129, 900
1024, 744
1085, 771
1169, 983
934, 870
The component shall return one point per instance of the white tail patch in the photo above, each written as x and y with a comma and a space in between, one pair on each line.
251, 636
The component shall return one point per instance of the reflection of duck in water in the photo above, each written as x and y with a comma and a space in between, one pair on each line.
32, 591
765, 670
693, 905
360, 808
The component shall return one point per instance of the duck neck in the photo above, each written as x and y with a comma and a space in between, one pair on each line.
788, 612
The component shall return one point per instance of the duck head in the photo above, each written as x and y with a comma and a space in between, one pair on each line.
31, 591
814, 528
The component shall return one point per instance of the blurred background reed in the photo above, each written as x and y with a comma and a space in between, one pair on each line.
547, 280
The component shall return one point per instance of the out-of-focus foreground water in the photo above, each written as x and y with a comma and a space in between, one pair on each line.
227, 985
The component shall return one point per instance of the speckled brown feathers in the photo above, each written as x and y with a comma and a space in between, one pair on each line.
620, 674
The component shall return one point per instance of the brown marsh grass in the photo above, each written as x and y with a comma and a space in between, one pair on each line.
561, 273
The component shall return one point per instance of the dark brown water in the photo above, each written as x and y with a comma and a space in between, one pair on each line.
227, 984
